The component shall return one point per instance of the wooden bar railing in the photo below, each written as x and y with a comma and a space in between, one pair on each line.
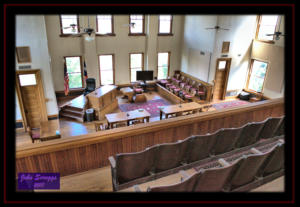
90, 151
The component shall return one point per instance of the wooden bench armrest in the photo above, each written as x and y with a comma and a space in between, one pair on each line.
137, 188
223, 162
184, 175
255, 151
112, 161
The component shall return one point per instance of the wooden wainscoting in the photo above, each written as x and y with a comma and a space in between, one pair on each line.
168, 95
81, 153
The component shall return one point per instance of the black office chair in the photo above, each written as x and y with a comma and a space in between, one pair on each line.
90, 85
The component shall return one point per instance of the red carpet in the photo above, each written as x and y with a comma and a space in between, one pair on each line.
229, 104
150, 106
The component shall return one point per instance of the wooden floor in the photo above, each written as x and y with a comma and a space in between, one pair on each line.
69, 127
99, 180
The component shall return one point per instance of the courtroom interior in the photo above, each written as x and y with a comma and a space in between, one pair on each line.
151, 103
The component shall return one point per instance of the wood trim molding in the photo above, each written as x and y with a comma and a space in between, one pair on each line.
152, 127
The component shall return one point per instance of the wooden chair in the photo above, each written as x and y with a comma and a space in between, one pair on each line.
34, 134
119, 124
275, 162
137, 88
250, 134
139, 98
99, 126
138, 121
170, 155
270, 128
214, 179
226, 140
248, 169
126, 167
281, 127
200, 147
186, 184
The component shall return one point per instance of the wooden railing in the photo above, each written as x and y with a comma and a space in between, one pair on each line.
90, 151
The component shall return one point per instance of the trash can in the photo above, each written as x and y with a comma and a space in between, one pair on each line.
89, 115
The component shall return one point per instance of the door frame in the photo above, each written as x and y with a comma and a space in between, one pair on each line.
227, 70
44, 114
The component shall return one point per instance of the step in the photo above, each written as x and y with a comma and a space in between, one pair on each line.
71, 111
74, 108
77, 118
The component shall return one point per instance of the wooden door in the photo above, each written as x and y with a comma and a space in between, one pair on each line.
221, 78
31, 97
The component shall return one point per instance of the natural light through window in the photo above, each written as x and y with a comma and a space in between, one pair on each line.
74, 72
138, 21
165, 22
267, 25
222, 65
257, 77
69, 24
104, 24
106, 69
136, 64
27, 80
163, 65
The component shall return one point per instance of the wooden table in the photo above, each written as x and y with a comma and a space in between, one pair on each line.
178, 108
128, 92
126, 117
48, 130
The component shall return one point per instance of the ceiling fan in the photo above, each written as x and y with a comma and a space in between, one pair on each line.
277, 34
132, 24
216, 28
88, 30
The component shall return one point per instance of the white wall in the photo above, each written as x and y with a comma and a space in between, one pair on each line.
274, 55
31, 31
240, 35
120, 45
197, 39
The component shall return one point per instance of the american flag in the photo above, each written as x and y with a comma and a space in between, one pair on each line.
85, 72
66, 80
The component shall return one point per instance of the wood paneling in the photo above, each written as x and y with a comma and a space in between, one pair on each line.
86, 152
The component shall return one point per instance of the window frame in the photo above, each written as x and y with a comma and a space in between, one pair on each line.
66, 34
113, 69
81, 72
250, 72
135, 53
259, 18
169, 55
137, 34
171, 27
112, 27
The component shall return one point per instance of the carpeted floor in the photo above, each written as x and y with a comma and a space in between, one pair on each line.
150, 106
229, 104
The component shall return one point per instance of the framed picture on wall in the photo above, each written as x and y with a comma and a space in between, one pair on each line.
225, 47
23, 54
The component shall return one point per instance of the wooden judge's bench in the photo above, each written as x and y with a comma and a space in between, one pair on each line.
103, 100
